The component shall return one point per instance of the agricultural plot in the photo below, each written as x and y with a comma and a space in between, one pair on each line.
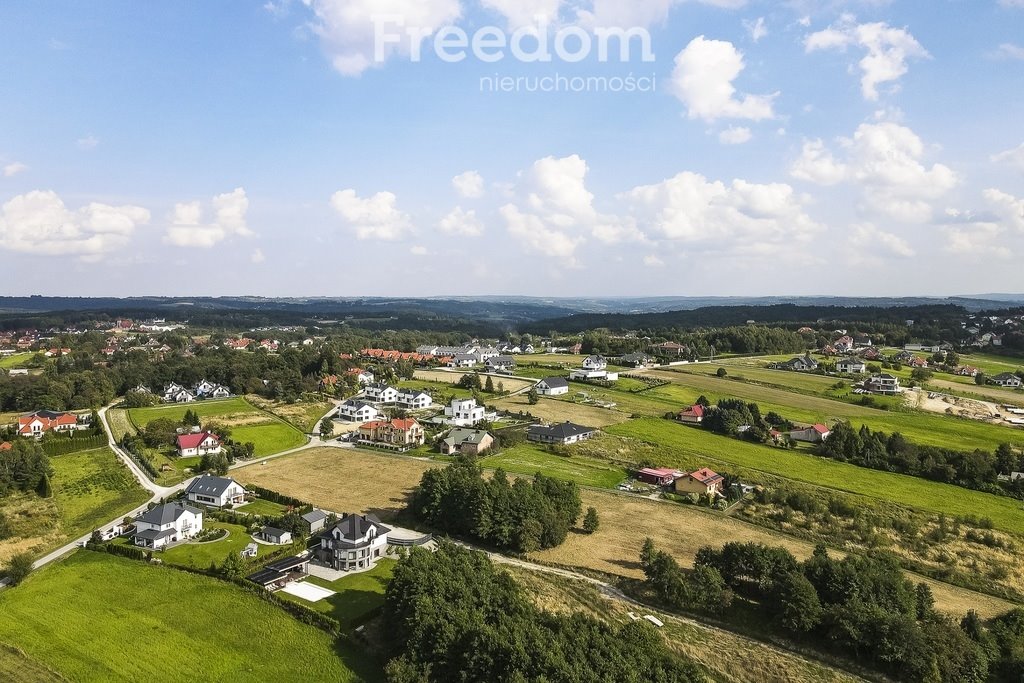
304, 416
97, 637
449, 378
681, 444
357, 598
528, 459
555, 410
247, 423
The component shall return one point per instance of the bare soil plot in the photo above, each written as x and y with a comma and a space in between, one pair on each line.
341, 479
552, 410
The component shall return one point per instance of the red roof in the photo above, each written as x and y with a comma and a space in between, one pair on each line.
695, 410
193, 440
6, 446
660, 472
821, 429
49, 421
705, 476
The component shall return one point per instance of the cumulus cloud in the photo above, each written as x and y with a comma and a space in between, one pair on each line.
735, 135
1008, 208
461, 222
653, 261
39, 223
372, 218
1008, 51
347, 29
257, 256
469, 184
188, 228
738, 217
817, 165
87, 143
419, 250
870, 246
14, 168
641, 13
1014, 157
703, 81
888, 50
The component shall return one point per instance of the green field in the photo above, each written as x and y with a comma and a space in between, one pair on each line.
91, 488
263, 507
96, 617
200, 555
357, 597
682, 446
16, 360
18, 667
529, 459
247, 423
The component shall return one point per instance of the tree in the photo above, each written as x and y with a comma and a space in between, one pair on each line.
326, 428
797, 607
922, 375
591, 520
160, 432
232, 567
925, 601
19, 567
980, 379
489, 385
721, 372
533, 397
5, 526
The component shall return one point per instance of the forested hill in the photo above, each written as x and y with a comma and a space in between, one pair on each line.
724, 316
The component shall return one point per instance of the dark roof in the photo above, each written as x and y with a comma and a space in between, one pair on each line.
354, 527
274, 531
1006, 375
314, 516
167, 513
562, 431
209, 485
155, 534
288, 564
265, 577
555, 382
352, 403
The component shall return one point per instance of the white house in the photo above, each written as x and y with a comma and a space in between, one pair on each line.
179, 396
464, 412
215, 491
357, 411
463, 360
381, 393
813, 434
203, 388
355, 542
553, 386
198, 443
414, 399
501, 364
168, 523
595, 363
851, 366
883, 384
1006, 379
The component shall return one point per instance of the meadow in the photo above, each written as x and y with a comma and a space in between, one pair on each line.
123, 620
303, 415
357, 598
15, 360
528, 459
681, 445
247, 423
558, 410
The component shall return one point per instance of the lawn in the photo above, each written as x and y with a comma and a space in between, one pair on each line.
268, 432
200, 555
263, 507
123, 620
16, 360
683, 445
304, 416
357, 597
18, 667
529, 459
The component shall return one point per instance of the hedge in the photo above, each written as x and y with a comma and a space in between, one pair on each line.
64, 446
280, 498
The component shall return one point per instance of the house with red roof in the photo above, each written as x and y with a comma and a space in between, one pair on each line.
6, 446
702, 481
398, 434
198, 443
42, 421
813, 434
660, 476
693, 415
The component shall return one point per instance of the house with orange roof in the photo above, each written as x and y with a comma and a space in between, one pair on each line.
702, 481
42, 421
397, 434
813, 434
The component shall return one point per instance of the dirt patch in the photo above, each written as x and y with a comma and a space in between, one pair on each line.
512, 384
562, 411
970, 408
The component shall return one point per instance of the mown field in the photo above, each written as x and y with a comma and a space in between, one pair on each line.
304, 416
529, 459
16, 360
683, 445
357, 598
96, 617
269, 433
90, 488
556, 410
18, 667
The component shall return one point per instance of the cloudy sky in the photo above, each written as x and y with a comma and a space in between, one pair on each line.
356, 147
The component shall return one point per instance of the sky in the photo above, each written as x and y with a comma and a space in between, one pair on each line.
492, 147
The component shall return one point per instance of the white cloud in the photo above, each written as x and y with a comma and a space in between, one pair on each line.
14, 168
372, 218
1014, 157
1011, 3
703, 81
640, 13
757, 29
870, 246
187, 228
817, 165
461, 222
469, 184
537, 236
888, 50
1008, 51
735, 135
525, 12
740, 217
981, 239
39, 223
1008, 208
419, 250
257, 256
347, 30
87, 143
653, 261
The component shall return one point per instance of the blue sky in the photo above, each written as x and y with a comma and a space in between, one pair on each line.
834, 147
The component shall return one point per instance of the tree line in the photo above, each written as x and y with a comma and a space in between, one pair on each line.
524, 515
451, 616
25, 467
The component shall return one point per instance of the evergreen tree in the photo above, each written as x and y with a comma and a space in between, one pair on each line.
591, 521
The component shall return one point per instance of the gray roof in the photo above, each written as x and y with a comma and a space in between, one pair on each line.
209, 485
167, 513
354, 527
457, 436
274, 531
502, 360
352, 403
562, 431
1006, 376
314, 516
556, 382
155, 534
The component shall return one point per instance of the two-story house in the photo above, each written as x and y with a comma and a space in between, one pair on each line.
357, 411
397, 434
215, 491
414, 399
168, 523
464, 412
355, 542
198, 443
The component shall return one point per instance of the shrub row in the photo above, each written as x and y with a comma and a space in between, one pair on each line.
73, 445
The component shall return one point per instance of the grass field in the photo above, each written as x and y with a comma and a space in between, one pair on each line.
270, 433
304, 416
18, 667
119, 423
529, 459
357, 597
200, 555
449, 378
553, 410
15, 360
341, 480
263, 507
123, 620
678, 441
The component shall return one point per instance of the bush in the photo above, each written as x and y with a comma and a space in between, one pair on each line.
19, 567
591, 521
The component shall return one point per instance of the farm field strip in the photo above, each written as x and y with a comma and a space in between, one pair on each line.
528, 460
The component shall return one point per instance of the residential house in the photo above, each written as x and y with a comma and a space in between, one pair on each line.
486, 353
397, 434
167, 523
800, 364
215, 491
565, 433
364, 377
636, 360
179, 396
844, 344
594, 368
464, 412
966, 371
552, 386
663, 476
279, 574
198, 443
463, 360
381, 393
203, 388
883, 384
851, 366
813, 434
702, 481
1006, 379
414, 399
594, 363
276, 536
693, 415
42, 421
315, 520
466, 441
355, 542
503, 364
670, 349
357, 411
861, 341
